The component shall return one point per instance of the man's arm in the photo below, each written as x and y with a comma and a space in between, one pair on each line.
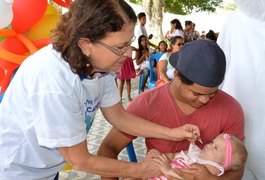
235, 175
113, 144
199, 172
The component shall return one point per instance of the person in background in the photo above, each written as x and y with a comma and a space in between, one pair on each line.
162, 47
166, 71
211, 36
52, 100
203, 35
195, 33
175, 30
242, 39
193, 96
188, 31
125, 74
224, 153
141, 30
142, 60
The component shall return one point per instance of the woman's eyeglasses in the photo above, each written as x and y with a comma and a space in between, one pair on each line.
180, 44
118, 51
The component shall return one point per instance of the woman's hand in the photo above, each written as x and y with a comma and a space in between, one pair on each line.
166, 168
150, 167
146, 54
188, 131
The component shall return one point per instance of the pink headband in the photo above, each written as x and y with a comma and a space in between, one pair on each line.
228, 151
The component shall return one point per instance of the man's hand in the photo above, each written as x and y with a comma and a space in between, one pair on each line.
196, 172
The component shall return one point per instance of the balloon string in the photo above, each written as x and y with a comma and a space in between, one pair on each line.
7, 33
27, 42
14, 58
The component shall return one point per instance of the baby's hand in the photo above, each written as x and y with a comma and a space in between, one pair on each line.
153, 153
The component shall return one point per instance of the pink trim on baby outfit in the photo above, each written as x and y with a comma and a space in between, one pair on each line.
228, 151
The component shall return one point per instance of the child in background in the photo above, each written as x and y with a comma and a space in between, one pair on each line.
225, 152
165, 70
125, 74
141, 57
162, 47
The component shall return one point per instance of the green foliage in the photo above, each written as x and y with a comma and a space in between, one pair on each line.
188, 6
136, 1
231, 6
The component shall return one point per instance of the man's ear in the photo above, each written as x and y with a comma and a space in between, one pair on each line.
176, 73
84, 45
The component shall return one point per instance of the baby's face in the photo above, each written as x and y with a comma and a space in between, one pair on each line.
215, 151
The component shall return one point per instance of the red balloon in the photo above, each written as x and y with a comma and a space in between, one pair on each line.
2, 74
63, 3
10, 68
27, 13
41, 43
14, 45
6, 65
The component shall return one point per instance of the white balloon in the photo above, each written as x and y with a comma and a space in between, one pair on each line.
6, 14
9, 1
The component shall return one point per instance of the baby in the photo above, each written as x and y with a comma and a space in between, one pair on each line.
225, 152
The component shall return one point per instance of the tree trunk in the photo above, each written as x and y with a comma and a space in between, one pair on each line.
154, 9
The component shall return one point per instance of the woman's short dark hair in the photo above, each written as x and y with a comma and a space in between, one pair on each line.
188, 22
91, 19
141, 14
174, 39
211, 35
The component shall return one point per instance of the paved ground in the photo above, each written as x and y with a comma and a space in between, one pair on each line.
98, 131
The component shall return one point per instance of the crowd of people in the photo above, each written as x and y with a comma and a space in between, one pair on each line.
173, 40
194, 122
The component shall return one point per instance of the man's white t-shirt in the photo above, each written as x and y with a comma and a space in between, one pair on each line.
140, 30
45, 107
